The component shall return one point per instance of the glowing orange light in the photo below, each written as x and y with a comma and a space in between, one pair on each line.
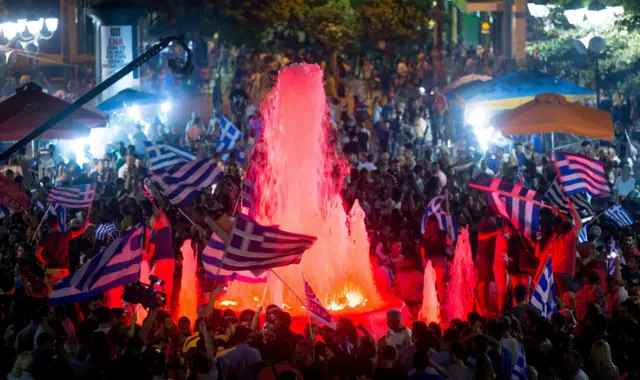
227, 303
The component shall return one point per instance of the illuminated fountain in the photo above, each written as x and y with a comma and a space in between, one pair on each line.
298, 187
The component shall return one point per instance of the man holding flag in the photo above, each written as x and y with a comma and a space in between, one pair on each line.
53, 253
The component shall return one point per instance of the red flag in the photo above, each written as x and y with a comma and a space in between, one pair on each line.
12, 195
315, 308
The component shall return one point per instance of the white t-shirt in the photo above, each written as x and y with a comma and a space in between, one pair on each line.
624, 188
122, 172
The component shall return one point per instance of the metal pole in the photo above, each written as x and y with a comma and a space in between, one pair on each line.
86, 98
597, 83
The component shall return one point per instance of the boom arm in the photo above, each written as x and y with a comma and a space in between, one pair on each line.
84, 99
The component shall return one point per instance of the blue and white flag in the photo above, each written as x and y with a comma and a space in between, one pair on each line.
79, 196
434, 207
520, 370
619, 216
580, 174
544, 295
517, 204
246, 194
163, 156
40, 205
581, 201
61, 213
4, 211
447, 223
212, 257
229, 134
183, 182
117, 265
257, 248
104, 230
582, 237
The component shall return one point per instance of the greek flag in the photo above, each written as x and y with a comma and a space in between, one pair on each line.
246, 194
257, 248
183, 182
581, 201
619, 216
104, 230
317, 311
520, 370
60, 213
582, 237
163, 156
544, 295
580, 174
117, 265
434, 207
212, 256
80, 196
4, 211
611, 264
229, 134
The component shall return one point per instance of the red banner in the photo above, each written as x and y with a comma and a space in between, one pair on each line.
12, 195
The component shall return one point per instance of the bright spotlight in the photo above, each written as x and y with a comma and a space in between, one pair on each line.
133, 112
479, 121
165, 107
422, 90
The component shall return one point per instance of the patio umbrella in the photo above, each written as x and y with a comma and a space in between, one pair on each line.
549, 113
517, 88
464, 80
29, 108
128, 97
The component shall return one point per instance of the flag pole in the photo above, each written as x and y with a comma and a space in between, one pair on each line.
311, 335
41, 221
288, 287
264, 292
511, 195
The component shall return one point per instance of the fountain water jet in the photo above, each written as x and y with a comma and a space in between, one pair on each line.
297, 184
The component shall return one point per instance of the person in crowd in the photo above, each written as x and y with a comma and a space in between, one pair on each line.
54, 251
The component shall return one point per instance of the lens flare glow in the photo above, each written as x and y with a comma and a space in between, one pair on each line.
133, 112
165, 107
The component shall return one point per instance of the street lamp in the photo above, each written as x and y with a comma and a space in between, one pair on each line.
592, 46
29, 31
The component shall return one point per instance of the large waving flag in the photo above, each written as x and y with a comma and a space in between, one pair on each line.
544, 295
212, 257
520, 370
556, 196
315, 308
619, 216
519, 205
117, 265
183, 182
580, 174
257, 248
229, 134
163, 156
80, 196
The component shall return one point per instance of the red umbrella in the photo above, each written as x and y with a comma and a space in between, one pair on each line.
29, 107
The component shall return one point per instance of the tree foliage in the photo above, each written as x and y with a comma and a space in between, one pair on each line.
392, 19
333, 25
553, 48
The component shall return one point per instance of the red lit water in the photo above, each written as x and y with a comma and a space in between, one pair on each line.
461, 285
298, 182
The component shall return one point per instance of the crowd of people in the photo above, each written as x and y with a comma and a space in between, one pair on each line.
403, 151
